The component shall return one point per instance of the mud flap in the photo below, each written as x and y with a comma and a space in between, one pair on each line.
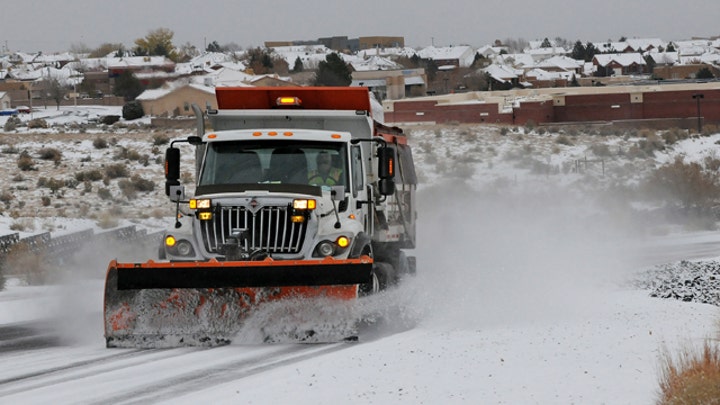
164, 304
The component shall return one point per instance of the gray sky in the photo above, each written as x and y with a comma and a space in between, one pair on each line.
52, 26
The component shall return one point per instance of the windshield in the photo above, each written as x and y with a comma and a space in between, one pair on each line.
307, 163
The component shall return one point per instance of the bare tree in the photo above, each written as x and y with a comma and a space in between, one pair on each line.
55, 90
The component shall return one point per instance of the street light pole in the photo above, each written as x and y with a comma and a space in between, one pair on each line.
698, 96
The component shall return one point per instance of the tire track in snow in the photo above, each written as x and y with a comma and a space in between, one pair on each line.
196, 380
77, 370
27, 336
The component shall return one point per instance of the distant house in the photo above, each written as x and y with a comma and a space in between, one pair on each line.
135, 64
176, 100
392, 84
621, 63
458, 56
271, 80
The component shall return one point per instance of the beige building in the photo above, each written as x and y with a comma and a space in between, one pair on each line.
175, 102
4, 100
392, 84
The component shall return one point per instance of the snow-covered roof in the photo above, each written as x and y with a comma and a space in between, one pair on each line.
375, 63
611, 47
138, 62
622, 59
155, 94
560, 61
463, 53
515, 59
502, 73
645, 44
489, 50
664, 58
540, 74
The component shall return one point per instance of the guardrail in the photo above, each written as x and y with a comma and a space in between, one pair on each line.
63, 248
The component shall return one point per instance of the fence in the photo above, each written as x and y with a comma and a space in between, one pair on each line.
62, 248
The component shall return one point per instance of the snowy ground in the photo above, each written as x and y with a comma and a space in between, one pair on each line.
526, 293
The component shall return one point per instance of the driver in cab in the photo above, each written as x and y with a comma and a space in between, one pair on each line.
325, 175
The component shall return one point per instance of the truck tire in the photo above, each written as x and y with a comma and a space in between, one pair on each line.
382, 276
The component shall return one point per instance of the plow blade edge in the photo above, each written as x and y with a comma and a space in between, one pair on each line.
168, 304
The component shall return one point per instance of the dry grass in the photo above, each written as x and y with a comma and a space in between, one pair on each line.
31, 267
692, 378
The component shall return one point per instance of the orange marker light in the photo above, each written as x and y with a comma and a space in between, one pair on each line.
288, 101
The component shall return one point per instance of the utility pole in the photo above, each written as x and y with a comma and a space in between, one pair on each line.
697, 97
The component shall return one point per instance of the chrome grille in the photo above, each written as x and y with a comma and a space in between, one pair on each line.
269, 229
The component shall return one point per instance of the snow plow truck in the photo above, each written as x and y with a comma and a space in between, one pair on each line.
299, 193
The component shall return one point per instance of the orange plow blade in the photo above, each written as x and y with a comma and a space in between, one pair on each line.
169, 304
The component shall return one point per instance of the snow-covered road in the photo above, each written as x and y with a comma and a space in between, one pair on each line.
604, 349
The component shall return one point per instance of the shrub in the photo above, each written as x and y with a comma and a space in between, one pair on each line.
11, 124
6, 197
100, 143
109, 119
160, 140
694, 378
107, 220
116, 170
104, 194
50, 154
32, 267
132, 111
685, 184
37, 123
600, 149
89, 175
53, 184
135, 184
563, 140
25, 162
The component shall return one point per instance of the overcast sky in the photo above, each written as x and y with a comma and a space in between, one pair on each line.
53, 26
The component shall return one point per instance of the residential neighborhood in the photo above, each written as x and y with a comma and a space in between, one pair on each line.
166, 85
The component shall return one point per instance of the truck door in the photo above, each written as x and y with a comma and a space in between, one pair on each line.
359, 188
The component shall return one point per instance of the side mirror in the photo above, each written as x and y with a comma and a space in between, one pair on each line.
172, 168
386, 187
386, 163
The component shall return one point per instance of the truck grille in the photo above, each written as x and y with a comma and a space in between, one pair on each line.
269, 229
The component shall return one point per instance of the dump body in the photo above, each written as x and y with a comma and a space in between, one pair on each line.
296, 195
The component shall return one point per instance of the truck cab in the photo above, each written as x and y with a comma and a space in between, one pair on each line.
294, 174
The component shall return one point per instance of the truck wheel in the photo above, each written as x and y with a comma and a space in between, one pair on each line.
381, 276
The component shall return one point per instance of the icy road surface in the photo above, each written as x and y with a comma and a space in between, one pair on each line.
518, 304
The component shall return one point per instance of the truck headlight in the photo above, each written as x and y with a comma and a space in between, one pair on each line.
184, 248
180, 247
325, 248
332, 248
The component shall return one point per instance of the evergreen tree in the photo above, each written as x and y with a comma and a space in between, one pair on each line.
333, 71
574, 81
670, 47
546, 43
578, 51
704, 73
650, 62
213, 47
298, 66
127, 86
590, 51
